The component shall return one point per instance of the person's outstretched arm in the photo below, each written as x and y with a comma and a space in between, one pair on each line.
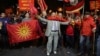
41, 18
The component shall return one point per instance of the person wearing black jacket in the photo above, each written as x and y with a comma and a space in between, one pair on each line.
3, 31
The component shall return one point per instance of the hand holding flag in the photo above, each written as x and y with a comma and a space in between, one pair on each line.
44, 13
33, 10
42, 5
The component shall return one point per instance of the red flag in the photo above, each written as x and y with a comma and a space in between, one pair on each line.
33, 10
24, 31
75, 8
67, 0
24, 5
42, 5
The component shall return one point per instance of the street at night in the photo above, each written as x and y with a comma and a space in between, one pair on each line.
49, 27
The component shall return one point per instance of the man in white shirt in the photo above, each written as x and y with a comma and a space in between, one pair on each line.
52, 32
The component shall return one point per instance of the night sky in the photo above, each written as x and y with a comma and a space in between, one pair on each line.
6, 4
52, 4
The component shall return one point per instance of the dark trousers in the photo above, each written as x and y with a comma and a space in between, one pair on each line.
84, 44
70, 41
4, 41
98, 46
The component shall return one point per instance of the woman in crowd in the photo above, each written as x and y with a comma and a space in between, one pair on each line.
27, 17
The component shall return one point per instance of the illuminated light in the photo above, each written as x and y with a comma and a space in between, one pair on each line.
96, 10
73, 22
50, 11
60, 9
94, 5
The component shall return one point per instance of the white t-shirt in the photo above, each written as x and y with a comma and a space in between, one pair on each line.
55, 25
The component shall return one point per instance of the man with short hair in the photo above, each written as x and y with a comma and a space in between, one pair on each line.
52, 31
88, 27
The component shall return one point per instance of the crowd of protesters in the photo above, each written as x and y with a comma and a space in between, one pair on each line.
80, 32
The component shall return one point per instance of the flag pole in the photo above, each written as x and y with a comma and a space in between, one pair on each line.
93, 43
95, 7
83, 10
94, 34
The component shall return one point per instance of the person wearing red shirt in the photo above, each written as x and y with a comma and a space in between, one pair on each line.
70, 37
88, 26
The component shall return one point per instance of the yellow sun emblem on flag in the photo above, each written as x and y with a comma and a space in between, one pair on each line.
24, 31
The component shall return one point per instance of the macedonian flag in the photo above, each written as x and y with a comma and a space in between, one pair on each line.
24, 31
75, 8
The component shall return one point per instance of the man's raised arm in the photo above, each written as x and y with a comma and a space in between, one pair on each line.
42, 18
67, 22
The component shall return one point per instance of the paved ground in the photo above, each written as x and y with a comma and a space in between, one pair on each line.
35, 51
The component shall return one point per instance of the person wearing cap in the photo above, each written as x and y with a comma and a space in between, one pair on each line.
52, 31
88, 27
